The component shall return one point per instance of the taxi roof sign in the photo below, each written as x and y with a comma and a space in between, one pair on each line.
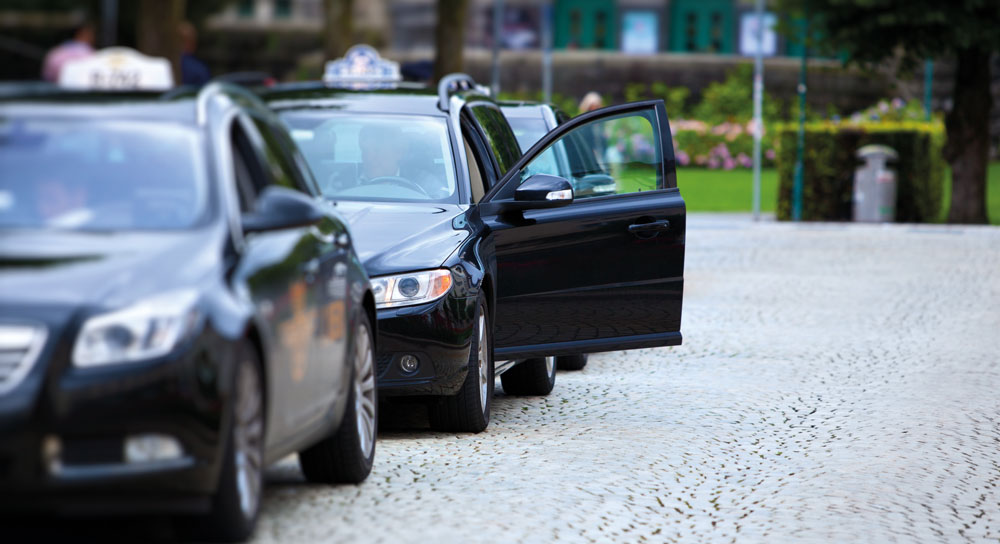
361, 67
117, 69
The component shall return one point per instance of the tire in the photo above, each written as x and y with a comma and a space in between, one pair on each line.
531, 377
236, 502
347, 455
572, 362
469, 410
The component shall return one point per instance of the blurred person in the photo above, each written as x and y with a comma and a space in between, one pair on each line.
56, 198
80, 45
383, 148
193, 70
591, 101
594, 138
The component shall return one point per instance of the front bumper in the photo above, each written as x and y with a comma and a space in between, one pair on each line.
64, 450
438, 334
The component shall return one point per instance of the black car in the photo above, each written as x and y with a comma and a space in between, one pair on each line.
476, 251
177, 309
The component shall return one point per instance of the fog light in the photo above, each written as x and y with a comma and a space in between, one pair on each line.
52, 454
409, 364
143, 448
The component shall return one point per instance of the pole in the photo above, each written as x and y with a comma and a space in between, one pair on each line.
547, 52
800, 147
109, 22
758, 97
497, 30
928, 87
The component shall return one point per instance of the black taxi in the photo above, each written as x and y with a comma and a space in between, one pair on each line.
485, 260
177, 309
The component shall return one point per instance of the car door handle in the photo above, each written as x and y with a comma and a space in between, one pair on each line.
655, 226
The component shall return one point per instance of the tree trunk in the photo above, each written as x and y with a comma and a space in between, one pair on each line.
338, 30
157, 33
449, 37
968, 129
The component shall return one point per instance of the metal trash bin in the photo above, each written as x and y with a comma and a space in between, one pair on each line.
875, 185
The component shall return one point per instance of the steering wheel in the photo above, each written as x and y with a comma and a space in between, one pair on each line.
396, 180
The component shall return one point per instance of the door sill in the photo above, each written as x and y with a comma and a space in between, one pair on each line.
589, 346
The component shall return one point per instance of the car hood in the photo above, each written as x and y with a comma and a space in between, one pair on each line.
80, 268
395, 237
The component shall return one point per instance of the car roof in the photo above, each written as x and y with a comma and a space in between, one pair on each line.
51, 101
399, 98
523, 110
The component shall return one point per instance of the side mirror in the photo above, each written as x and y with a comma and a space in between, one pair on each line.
540, 191
280, 208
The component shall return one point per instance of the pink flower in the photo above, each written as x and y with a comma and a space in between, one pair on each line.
743, 160
701, 160
729, 164
770, 154
683, 158
713, 163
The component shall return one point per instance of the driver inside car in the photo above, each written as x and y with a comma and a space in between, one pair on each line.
383, 148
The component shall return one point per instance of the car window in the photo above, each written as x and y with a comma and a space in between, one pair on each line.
280, 165
608, 156
476, 178
246, 188
498, 134
528, 130
375, 156
100, 174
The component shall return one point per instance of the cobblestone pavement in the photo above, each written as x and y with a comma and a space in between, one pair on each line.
836, 383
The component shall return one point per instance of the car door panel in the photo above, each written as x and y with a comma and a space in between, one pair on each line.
602, 273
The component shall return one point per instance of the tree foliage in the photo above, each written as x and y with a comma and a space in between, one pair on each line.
872, 31
869, 31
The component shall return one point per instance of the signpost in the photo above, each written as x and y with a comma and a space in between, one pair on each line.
497, 32
758, 98
117, 69
801, 144
547, 51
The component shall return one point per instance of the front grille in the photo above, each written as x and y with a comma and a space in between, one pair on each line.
382, 363
19, 347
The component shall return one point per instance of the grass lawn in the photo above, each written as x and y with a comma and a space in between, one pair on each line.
732, 191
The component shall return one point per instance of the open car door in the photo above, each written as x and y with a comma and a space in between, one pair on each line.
600, 268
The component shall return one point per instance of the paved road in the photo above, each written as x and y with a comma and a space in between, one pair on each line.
836, 383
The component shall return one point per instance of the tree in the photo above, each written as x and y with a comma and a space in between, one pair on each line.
156, 30
338, 29
449, 37
872, 31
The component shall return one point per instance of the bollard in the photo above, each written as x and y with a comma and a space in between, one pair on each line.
875, 185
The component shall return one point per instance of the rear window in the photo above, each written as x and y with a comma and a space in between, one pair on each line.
104, 175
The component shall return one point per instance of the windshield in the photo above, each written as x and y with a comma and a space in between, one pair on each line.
376, 157
99, 175
527, 130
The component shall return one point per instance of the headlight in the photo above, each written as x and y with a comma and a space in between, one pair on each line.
409, 289
149, 328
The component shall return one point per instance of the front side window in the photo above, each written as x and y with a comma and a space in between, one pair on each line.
100, 175
376, 157
608, 156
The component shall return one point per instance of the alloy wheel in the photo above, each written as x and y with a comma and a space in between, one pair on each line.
248, 437
484, 364
364, 390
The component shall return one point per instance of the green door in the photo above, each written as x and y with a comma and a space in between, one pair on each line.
702, 26
586, 24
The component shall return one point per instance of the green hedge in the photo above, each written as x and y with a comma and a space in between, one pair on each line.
830, 162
